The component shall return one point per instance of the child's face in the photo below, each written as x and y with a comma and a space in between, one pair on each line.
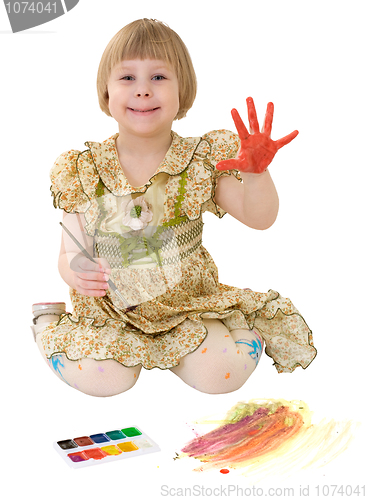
143, 96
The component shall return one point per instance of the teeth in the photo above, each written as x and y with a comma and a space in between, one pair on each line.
143, 111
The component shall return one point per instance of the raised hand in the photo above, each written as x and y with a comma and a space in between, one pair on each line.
257, 149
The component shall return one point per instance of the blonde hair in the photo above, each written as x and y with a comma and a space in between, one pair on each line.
149, 39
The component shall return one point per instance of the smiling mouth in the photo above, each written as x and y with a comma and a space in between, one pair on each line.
143, 110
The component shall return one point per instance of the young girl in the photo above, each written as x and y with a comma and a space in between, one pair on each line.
145, 292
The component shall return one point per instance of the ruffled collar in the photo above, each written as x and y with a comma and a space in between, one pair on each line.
106, 161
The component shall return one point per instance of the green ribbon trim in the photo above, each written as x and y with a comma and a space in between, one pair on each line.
179, 200
150, 246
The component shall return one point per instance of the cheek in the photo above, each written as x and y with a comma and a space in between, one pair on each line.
112, 102
108, 98
175, 101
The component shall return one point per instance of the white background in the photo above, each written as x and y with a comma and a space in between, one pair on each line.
310, 59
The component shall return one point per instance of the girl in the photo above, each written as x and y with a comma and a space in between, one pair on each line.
145, 292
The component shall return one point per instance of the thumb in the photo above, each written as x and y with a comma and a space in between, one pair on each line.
285, 140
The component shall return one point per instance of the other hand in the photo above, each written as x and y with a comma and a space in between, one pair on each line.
90, 278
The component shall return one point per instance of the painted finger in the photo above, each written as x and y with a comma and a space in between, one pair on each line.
239, 124
267, 126
252, 117
228, 165
285, 140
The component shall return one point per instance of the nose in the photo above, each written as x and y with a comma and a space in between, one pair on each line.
143, 89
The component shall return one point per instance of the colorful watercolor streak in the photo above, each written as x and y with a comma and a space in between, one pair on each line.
266, 436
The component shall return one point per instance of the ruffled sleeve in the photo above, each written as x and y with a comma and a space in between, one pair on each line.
67, 186
224, 145
202, 175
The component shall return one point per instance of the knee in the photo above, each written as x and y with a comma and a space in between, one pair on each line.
224, 381
96, 378
218, 376
107, 382
105, 378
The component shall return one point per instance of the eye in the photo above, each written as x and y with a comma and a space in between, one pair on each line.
159, 77
127, 78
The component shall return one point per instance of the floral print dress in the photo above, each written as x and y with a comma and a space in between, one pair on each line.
166, 281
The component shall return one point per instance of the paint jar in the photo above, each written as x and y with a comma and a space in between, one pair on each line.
42, 308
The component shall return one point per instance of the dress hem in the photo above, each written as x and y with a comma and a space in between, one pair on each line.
249, 320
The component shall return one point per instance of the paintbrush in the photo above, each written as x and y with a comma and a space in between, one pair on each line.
86, 254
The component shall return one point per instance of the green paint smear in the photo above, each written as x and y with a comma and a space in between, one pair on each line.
242, 409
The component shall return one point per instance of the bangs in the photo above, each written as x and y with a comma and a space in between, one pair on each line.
147, 40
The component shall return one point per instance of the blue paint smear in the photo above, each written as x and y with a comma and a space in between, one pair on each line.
56, 362
256, 345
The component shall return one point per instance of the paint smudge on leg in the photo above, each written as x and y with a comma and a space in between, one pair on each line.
100, 369
56, 362
258, 336
256, 346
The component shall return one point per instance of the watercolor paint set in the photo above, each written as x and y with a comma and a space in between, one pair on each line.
105, 447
